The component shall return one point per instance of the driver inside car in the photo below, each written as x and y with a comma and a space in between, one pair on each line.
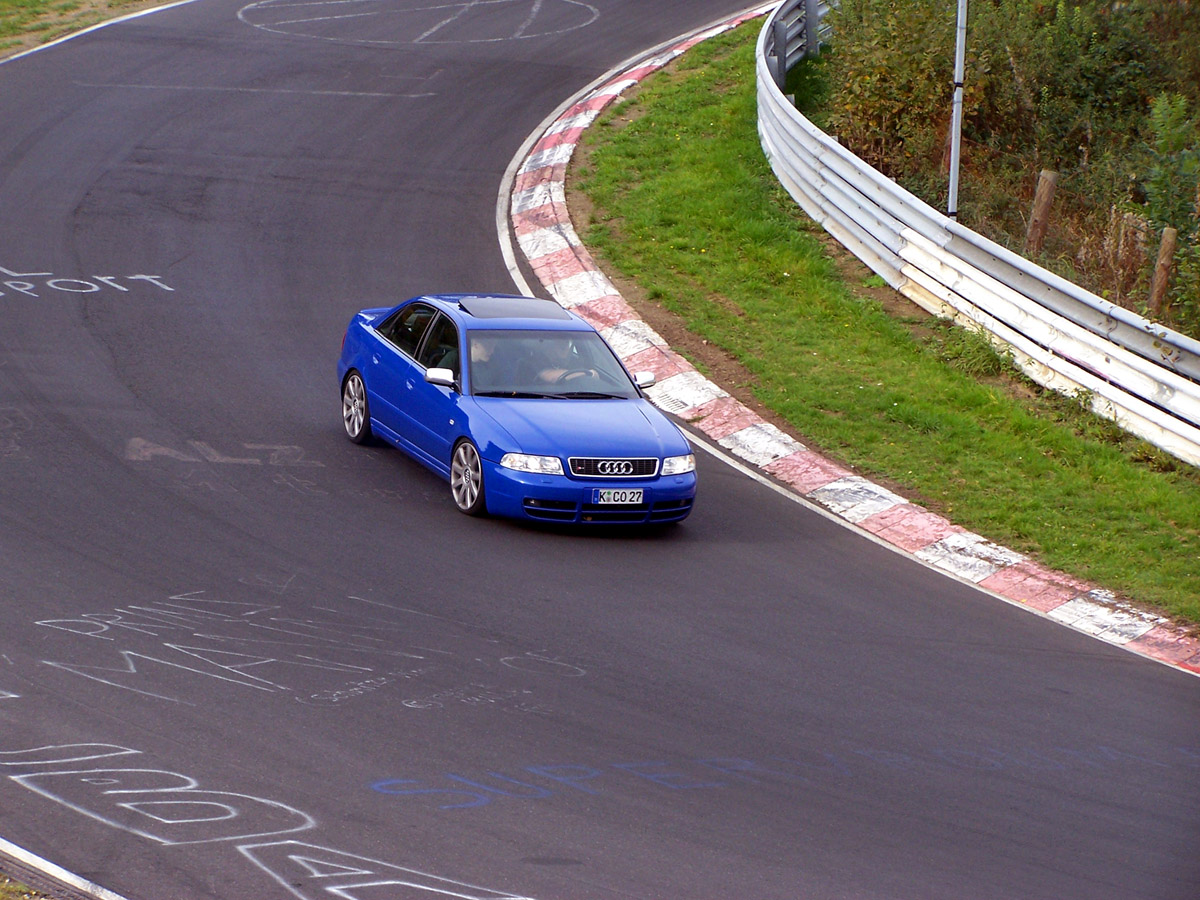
563, 364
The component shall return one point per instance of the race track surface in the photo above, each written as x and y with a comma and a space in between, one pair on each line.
244, 659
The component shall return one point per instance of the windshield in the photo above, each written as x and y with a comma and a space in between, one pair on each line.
553, 364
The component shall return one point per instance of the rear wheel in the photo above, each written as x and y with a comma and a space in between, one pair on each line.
356, 415
466, 479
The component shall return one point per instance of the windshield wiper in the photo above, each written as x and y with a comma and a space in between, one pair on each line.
592, 395
517, 395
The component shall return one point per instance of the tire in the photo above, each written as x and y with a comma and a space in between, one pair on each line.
356, 414
466, 479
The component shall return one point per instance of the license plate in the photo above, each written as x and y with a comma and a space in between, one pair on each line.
605, 496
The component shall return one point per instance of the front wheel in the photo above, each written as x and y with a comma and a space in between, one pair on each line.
466, 479
356, 415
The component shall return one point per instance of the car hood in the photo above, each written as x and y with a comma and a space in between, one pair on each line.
585, 427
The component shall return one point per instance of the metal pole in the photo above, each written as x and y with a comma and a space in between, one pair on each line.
960, 54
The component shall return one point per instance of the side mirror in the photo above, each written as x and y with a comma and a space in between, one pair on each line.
644, 379
442, 377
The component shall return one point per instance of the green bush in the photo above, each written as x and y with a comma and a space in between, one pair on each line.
1173, 170
1097, 90
891, 108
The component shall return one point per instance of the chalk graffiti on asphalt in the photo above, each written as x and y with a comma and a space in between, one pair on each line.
174, 810
39, 285
392, 23
322, 657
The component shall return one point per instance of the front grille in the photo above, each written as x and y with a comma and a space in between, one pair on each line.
613, 467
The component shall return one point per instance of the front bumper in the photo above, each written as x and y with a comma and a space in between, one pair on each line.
560, 498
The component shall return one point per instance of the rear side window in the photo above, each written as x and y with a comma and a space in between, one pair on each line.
441, 346
406, 328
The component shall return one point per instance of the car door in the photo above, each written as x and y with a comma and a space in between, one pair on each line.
434, 408
393, 367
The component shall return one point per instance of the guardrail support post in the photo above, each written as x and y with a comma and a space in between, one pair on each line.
779, 32
1040, 220
812, 29
1162, 270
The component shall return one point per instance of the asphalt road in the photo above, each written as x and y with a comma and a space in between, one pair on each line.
243, 658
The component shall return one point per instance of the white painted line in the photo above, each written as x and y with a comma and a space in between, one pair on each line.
58, 873
217, 89
12, 274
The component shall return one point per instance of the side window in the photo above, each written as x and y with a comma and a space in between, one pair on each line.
441, 346
406, 328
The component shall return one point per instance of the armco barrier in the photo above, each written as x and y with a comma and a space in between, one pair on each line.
1143, 376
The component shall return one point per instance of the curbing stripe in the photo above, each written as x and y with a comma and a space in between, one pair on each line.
970, 556
760, 444
533, 201
856, 499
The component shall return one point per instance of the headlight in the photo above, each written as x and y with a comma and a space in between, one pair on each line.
679, 465
538, 465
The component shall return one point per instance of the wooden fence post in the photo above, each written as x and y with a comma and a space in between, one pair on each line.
1162, 270
1040, 220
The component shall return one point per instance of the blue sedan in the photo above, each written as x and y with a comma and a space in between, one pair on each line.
520, 404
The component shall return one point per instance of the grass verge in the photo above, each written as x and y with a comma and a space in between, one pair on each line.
27, 23
14, 890
683, 210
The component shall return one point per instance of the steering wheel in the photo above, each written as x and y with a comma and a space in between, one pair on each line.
573, 373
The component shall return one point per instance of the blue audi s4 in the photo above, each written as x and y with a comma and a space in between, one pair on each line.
520, 404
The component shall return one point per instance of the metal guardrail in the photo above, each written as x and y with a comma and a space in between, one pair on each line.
790, 32
1143, 376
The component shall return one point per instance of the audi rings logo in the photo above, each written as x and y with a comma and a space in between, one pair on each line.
600, 467
614, 467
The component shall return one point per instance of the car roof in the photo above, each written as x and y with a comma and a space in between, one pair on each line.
506, 311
